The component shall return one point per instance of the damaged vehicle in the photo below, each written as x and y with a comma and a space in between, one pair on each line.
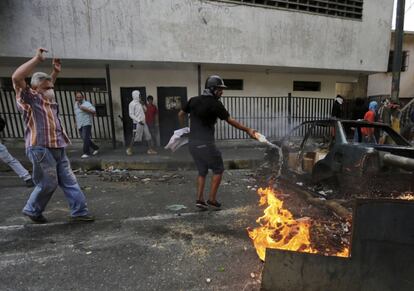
346, 158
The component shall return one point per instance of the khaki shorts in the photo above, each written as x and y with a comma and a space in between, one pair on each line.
141, 132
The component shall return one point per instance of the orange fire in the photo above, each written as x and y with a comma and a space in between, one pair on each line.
279, 230
406, 196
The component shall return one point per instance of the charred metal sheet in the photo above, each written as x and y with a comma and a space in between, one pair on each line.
382, 255
398, 161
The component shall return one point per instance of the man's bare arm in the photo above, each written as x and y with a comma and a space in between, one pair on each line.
181, 117
24, 70
233, 122
87, 109
57, 68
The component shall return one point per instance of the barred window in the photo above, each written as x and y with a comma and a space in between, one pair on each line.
351, 9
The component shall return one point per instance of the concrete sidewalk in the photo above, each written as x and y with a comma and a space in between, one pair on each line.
235, 157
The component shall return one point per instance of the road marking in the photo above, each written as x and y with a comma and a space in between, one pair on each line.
129, 219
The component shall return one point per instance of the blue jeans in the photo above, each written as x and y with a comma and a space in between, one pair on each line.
51, 168
6, 157
85, 132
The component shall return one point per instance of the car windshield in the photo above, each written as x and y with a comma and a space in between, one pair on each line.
372, 134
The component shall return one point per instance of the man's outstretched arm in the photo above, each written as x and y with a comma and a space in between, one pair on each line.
57, 67
24, 70
233, 122
181, 118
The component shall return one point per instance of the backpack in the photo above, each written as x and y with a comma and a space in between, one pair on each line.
2, 124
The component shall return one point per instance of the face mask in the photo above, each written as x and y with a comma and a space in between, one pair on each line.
49, 94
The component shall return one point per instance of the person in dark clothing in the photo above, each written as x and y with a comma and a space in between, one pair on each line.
359, 109
337, 107
204, 111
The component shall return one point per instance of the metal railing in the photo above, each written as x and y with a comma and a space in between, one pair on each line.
272, 116
101, 128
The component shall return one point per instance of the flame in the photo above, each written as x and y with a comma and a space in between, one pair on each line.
406, 196
279, 230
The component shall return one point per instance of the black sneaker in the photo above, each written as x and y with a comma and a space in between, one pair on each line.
201, 204
36, 219
82, 218
29, 183
214, 204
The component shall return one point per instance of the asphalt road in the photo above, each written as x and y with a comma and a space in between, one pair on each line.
136, 242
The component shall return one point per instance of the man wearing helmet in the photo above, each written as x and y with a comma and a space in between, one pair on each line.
204, 111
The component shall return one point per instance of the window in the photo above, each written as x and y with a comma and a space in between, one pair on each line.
81, 84
233, 84
306, 86
404, 62
351, 9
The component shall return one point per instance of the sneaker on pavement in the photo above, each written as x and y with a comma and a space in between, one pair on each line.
214, 204
201, 204
29, 183
36, 219
82, 218
151, 152
84, 156
95, 152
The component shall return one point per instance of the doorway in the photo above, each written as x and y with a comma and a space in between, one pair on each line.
170, 102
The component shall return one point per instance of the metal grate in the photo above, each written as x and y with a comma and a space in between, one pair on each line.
351, 9
101, 128
272, 116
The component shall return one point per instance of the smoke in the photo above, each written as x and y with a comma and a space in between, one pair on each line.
271, 116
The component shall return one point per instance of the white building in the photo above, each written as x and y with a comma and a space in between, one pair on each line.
379, 85
270, 48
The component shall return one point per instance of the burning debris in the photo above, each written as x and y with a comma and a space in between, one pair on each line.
280, 230
406, 196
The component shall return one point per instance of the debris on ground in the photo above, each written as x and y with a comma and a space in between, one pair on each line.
175, 207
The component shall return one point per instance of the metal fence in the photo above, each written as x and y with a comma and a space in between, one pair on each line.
101, 128
272, 116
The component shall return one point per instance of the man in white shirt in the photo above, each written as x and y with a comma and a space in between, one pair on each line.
140, 128
84, 112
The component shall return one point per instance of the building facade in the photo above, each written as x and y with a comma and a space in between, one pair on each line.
168, 48
379, 85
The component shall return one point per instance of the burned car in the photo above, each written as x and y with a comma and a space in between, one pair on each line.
350, 156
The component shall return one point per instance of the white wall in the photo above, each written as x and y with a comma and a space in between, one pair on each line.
256, 83
196, 31
380, 84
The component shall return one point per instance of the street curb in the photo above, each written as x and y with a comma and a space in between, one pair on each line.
102, 164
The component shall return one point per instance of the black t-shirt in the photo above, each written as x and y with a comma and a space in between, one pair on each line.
204, 111
336, 110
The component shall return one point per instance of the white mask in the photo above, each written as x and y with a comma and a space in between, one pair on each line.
49, 94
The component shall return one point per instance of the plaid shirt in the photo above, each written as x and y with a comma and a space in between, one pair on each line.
42, 123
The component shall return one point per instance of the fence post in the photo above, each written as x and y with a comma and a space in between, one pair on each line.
289, 109
111, 108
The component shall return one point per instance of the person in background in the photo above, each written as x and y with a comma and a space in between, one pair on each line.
389, 113
337, 107
367, 132
46, 141
408, 130
151, 118
359, 109
140, 129
204, 111
12, 162
84, 112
